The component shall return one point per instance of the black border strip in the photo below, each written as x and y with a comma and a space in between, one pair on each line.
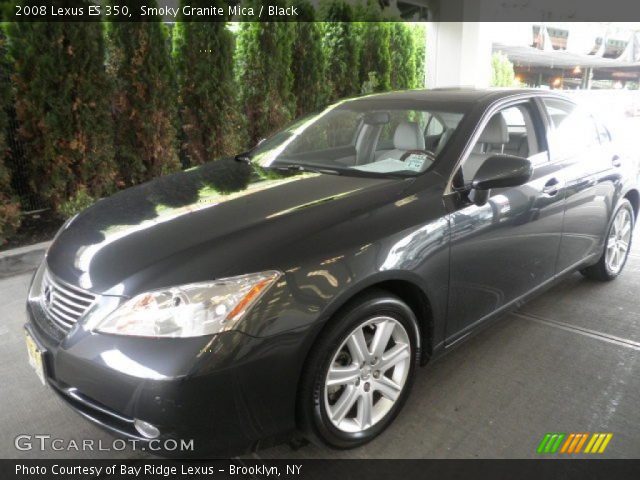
407, 10
327, 469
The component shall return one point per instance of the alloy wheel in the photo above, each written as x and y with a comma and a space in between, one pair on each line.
618, 241
367, 374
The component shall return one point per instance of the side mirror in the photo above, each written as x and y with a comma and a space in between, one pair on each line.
502, 171
499, 171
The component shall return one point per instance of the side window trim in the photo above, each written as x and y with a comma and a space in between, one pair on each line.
549, 125
493, 108
522, 111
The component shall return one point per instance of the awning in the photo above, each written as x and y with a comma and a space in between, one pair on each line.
525, 56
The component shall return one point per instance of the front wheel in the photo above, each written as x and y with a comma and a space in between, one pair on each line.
360, 372
617, 246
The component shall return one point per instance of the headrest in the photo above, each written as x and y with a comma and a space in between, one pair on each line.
558, 118
408, 136
495, 131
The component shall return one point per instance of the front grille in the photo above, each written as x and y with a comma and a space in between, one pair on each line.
64, 303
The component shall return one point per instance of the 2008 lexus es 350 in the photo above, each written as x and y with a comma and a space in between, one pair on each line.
299, 286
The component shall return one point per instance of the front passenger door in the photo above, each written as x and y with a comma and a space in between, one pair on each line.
504, 249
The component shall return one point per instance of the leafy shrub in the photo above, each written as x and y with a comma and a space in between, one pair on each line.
371, 84
406, 49
231, 89
374, 38
144, 99
265, 77
76, 203
9, 206
203, 53
308, 63
502, 74
375, 54
419, 38
63, 107
340, 43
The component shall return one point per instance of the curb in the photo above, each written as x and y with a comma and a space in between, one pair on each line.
22, 259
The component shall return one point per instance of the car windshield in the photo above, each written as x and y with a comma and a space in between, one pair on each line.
362, 137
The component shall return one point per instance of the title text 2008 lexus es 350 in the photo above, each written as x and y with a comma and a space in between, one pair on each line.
299, 286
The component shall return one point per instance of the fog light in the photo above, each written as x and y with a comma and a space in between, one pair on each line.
146, 429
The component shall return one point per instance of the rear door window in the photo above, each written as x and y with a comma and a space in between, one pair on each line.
572, 129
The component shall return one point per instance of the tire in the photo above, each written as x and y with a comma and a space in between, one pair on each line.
607, 268
319, 404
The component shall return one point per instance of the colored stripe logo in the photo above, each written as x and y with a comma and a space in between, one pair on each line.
572, 443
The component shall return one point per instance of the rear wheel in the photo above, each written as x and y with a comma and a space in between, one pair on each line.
360, 372
617, 246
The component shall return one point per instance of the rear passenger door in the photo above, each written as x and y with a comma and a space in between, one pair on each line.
587, 167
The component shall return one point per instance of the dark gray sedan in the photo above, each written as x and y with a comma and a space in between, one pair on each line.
299, 286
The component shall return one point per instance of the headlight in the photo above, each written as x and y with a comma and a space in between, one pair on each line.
189, 310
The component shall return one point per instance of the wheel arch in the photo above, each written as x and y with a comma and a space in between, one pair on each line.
419, 303
402, 286
634, 198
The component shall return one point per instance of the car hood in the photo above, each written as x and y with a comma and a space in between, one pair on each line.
207, 222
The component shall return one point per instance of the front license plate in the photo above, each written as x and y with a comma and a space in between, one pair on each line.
35, 358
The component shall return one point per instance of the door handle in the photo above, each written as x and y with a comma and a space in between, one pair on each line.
552, 187
616, 161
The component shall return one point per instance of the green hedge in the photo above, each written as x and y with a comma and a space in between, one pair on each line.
265, 79
144, 100
104, 106
308, 61
63, 107
203, 55
9, 206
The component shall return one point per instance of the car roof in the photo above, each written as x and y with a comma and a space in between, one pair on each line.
462, 95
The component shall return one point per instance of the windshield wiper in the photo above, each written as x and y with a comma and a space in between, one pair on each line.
297, 167
288, 167
243, 158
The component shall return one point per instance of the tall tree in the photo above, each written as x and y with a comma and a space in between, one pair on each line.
9, 206
264, 74
403, 58
203, 53
309, 62
144, 99
341, 49
502, 74
375, 57
63, 108
419, 35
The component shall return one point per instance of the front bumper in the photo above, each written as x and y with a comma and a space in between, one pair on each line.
227, 392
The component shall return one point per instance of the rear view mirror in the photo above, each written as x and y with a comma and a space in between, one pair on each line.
376, 118
501, 171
